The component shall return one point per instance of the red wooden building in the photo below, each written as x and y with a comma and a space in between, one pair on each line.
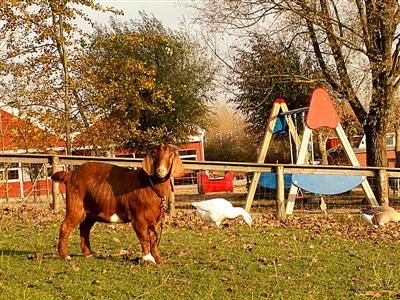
20, 136
333, 146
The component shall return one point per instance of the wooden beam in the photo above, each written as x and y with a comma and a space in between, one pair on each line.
214, 165
354, 161
269, 131
56, 185
301, 160
280, 193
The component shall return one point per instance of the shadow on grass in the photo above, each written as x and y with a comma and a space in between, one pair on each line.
32, 255
116, 257
12, 252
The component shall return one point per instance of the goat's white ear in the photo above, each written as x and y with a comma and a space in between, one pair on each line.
177, 166
148, 164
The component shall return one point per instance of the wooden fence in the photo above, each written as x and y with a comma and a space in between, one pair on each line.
381, 174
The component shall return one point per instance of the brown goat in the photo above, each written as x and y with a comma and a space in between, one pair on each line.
99, 192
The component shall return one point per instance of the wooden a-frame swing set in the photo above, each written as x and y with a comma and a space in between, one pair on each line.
321, 114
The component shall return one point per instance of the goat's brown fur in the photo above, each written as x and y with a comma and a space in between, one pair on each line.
99, 192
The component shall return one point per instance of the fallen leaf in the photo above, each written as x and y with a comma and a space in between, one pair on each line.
75, 267
248, 247
224, 279
121, 253
373, 294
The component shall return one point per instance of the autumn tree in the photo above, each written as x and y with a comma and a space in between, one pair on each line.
69, 82
264, 71
354, 42
40, 38
227, 138
145, 83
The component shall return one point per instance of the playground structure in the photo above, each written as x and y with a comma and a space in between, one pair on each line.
321, 114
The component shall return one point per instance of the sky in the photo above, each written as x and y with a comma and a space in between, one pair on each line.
173, 14
170, 12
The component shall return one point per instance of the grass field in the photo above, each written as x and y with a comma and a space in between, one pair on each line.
307, 257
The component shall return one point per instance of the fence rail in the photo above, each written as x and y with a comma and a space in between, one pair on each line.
205, 165
244, 167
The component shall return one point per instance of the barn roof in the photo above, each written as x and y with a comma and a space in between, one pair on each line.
19, 135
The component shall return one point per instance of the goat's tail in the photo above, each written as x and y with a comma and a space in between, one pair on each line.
61, 176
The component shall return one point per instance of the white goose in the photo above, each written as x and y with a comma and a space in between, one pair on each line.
380, 215
214, 211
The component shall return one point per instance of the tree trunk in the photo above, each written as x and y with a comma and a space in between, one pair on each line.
376, 146
322, 139
376, 155
375, 129
58, 25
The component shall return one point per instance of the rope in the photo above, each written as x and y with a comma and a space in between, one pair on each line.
163, 206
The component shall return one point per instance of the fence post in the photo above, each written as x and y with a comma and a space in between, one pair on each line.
171, 199
280, 193
383, 187
55, 185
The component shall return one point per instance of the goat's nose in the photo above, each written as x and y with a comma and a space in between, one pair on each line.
161, 172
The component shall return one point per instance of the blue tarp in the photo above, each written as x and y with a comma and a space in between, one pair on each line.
321, 184
324, 184
268, 180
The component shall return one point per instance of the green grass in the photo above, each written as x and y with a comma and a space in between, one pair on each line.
234, 262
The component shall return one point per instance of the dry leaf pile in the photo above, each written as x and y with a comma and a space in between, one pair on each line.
340, 226
347, 227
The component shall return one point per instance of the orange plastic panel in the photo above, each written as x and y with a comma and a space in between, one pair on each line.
321, 112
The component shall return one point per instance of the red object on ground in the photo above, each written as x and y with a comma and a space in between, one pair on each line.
207, 185
321, 112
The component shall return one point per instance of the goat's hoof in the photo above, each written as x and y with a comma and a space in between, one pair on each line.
160, 264
159, 261
148, 259
148, 262
64, 256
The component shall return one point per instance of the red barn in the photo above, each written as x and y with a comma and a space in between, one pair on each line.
20, 136
360, 149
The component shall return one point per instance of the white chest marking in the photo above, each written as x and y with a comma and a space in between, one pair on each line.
149, 257
115, 219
